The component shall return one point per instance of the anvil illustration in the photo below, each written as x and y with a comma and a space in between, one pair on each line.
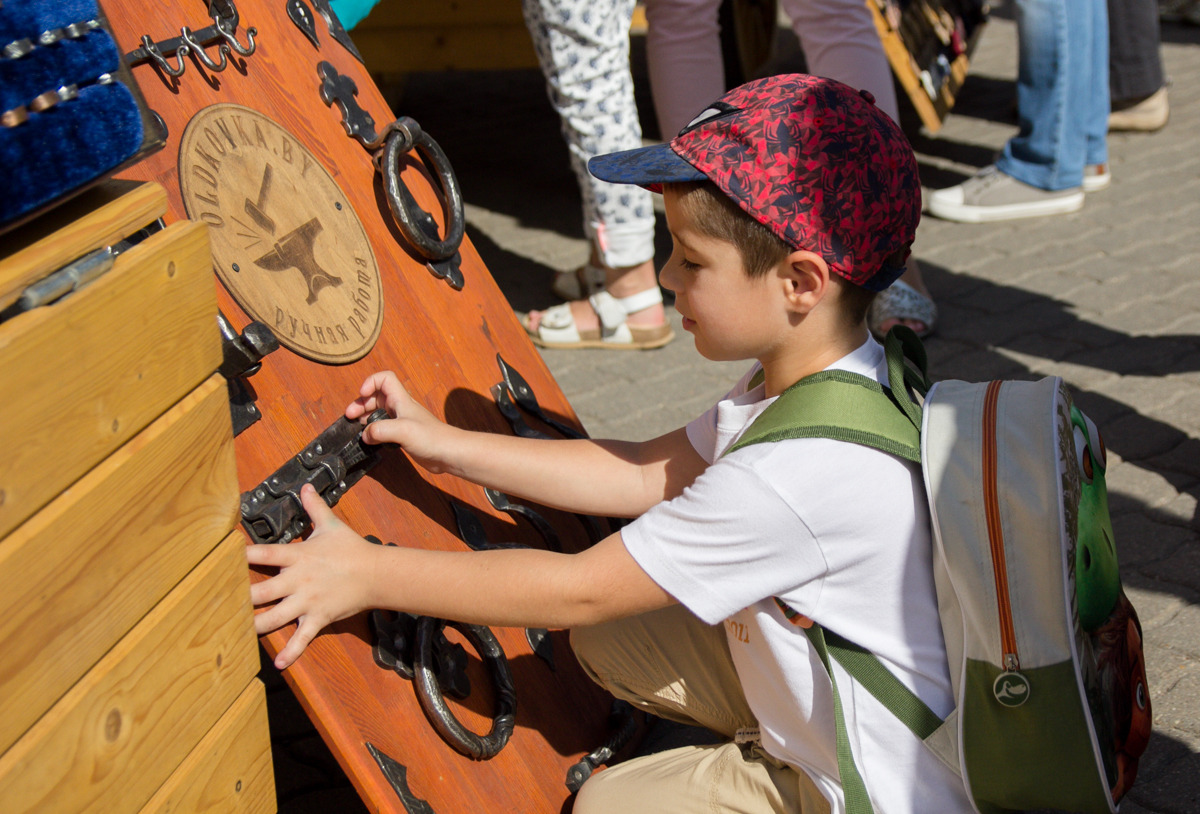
295, 250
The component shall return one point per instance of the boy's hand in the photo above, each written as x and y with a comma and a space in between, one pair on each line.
323, 579
420, 433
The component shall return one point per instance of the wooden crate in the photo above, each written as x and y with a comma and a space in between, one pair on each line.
129, 676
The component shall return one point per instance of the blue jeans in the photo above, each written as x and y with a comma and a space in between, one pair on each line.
1062, 92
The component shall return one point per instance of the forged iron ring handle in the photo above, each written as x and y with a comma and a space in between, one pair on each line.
405, 134
463, 740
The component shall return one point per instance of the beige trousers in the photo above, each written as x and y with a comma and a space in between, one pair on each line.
671, 664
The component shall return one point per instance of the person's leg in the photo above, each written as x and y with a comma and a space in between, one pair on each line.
668, 663
721, 777
1137, 84
672, 665
683, 57
840, 42
1041, 170
1055, 99
1096, 98
1135, 64
583, 49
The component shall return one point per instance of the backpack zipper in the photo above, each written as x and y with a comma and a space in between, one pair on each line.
991, 502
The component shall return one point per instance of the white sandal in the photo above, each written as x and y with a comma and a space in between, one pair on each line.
901, 301
557, 328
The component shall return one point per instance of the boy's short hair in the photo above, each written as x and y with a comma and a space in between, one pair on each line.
811, 159
716, 215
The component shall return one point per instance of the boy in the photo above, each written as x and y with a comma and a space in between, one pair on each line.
789, 201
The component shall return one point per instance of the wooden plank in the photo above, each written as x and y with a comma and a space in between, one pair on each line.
141, 519
120, 732
229, 771
97, 218
95, 368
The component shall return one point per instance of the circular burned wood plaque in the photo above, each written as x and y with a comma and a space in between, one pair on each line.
286, 241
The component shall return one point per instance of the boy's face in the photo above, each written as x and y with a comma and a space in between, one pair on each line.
731, 315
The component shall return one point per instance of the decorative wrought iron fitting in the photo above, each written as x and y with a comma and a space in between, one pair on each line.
332, 463
389, 146
170, 54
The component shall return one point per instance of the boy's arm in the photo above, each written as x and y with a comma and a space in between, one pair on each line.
335, 574
610, 478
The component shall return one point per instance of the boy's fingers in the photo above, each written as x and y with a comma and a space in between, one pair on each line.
272, 618
267, 591
279, 556
318, 511
296, 645
382, 432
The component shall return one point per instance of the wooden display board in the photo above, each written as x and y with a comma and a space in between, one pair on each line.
305, 241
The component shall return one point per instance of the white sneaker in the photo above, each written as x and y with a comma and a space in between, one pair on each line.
991, 195
1096, 177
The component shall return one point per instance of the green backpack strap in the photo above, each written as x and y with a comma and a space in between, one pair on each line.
850, 407
847, 406
887, 689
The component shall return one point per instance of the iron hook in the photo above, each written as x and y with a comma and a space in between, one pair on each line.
158, 57
245, 50
198, 50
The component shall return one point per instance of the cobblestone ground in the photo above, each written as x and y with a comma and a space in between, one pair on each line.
1108, 298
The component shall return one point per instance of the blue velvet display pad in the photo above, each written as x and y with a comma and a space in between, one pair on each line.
45, 154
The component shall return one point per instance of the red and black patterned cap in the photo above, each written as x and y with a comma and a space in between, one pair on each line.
812, 159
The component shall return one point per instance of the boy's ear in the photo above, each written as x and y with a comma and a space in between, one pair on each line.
805, 276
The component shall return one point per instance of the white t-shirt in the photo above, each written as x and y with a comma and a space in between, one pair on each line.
840, 532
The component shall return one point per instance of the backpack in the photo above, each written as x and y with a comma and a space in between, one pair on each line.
1051, 709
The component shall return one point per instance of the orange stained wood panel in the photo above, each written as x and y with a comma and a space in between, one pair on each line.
443, 345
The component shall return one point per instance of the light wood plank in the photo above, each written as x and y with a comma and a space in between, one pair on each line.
83, 376
229, 771
97, 218
120, 732
141, 519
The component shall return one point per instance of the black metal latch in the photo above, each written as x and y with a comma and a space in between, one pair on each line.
335, 461
241, 358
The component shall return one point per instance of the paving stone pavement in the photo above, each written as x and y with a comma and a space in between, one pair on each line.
1108, 298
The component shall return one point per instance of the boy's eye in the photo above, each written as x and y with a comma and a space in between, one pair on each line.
688, 264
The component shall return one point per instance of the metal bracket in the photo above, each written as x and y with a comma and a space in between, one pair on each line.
300, 14
242, 358
222, 33
620, 718
395, 646
332, 463
416, 648
336, 29
397, 139
397, 776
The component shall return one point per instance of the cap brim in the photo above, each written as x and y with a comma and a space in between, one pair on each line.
650, 167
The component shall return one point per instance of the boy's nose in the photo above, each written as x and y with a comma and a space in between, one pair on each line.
667, 275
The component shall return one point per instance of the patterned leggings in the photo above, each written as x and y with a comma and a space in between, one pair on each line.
583, 48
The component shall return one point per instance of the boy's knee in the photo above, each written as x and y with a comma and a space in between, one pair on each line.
601, 795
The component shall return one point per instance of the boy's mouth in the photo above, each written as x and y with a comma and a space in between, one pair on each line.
687, 323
